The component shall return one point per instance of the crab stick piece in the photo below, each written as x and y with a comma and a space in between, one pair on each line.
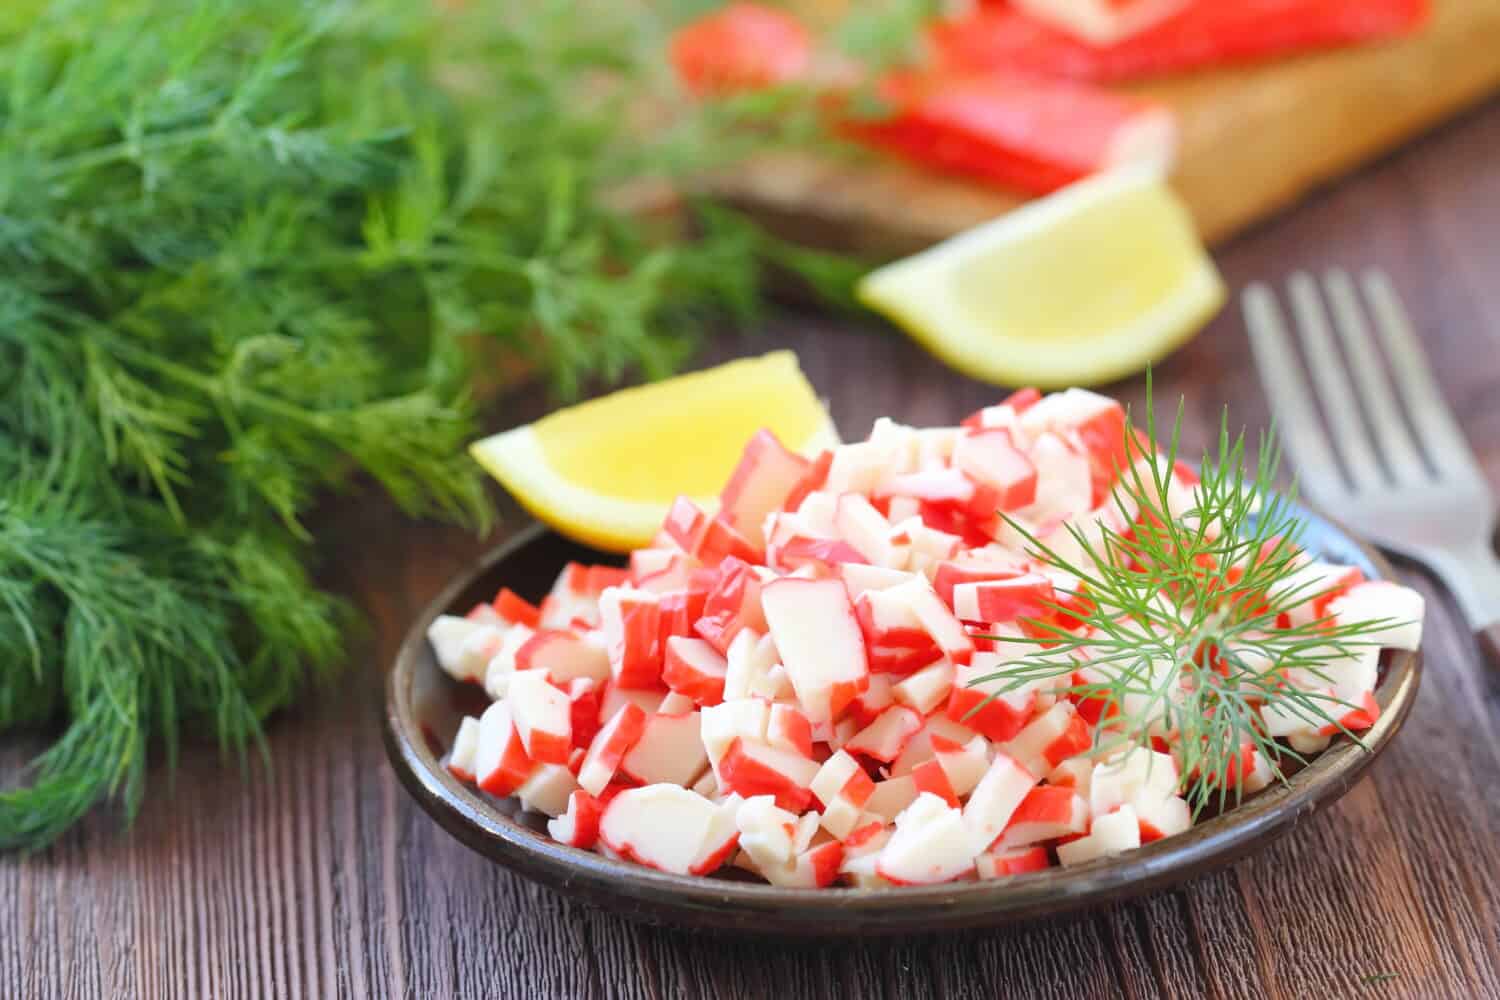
1207, 33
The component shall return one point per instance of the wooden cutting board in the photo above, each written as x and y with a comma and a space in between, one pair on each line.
1252, 141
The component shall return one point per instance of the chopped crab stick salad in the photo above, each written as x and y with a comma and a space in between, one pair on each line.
814, 684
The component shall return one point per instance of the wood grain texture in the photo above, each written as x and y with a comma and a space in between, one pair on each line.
1253, 140
319, 879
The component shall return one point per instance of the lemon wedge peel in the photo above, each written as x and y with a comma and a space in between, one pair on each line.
604, 472
1157, 279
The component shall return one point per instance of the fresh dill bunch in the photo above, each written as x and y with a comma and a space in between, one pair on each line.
247, 250
1177, 626
882, 33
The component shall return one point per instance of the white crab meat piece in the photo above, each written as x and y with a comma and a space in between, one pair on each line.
463, 647
931, 844
1116, 833
1398, 609
670, 828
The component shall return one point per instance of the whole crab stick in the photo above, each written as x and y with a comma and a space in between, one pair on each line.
1207, 33
1016, 130
1101, 22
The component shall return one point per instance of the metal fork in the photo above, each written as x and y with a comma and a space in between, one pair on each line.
1420, 494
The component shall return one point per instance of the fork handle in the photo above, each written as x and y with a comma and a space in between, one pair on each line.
1473, 575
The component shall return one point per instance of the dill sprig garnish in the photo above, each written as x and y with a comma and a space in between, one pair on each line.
252, 251
1181, 616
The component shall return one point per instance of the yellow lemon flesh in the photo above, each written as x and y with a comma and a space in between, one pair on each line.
604, 472
1088, 284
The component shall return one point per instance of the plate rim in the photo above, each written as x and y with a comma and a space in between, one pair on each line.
703, 903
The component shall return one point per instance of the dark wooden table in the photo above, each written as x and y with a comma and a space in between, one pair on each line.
320, 878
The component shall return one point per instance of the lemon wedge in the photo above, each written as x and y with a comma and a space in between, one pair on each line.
604, 472
1088, 284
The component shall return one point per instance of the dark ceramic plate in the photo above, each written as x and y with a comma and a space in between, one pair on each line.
423, 709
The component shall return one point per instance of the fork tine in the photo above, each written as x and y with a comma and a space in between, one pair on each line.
1328, 375
1451, 456
1291, 402
1391, 435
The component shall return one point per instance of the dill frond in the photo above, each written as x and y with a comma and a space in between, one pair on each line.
1183, 617
244, 245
